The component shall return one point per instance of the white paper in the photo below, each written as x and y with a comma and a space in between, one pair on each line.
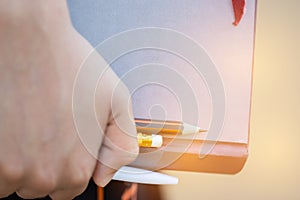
136, 175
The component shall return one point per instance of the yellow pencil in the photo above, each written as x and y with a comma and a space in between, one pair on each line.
149, 140
151, 126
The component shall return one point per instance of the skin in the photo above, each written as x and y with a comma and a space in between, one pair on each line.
41, 152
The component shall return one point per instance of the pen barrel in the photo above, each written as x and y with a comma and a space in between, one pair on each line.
158, 126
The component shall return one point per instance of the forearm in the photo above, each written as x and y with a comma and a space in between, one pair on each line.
46, 13
27, 27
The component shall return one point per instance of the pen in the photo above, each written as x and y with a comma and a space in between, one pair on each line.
151, 126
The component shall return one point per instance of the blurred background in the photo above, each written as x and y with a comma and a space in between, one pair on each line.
272, 169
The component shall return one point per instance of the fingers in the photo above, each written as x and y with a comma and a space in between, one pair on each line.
41, 179
113, 156
6, 189
120, 146
37, 182
11, 174
73, 185
68, 194
77, 174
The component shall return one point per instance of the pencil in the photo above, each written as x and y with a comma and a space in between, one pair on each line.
151, 126
149, 140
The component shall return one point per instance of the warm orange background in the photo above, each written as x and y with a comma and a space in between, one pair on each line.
272, 170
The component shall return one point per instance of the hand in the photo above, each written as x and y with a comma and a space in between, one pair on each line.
41, 152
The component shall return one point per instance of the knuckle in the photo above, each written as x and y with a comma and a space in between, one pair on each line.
79, 190
3, 195
135, 152
123, 157
13, 172
127, 151
43, 181
4, 192
128, 154
28, 194
79, 179
38, 183
67, 194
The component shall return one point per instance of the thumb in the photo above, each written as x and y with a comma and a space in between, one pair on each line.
120, 145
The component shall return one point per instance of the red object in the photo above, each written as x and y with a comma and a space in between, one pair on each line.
239, 10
